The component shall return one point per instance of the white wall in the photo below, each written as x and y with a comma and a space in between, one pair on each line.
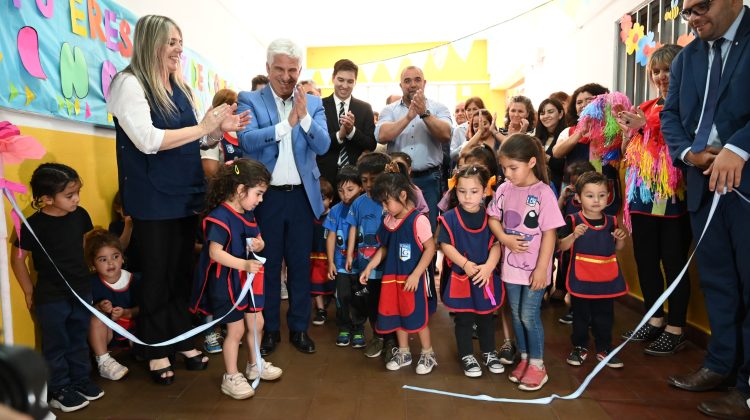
223, 38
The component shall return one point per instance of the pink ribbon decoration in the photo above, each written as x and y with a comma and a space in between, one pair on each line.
490, 294
15, 148
9, 188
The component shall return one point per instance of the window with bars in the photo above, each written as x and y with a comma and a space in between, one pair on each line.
630, 76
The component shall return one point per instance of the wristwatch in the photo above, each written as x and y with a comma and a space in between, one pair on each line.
426, 114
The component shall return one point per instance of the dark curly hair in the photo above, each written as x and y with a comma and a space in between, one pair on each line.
50, 179
96, 240
244, 172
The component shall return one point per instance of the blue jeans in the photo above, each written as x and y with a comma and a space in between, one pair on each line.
525, 307
430, 186
65, 327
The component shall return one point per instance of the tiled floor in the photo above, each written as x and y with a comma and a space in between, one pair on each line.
340, 383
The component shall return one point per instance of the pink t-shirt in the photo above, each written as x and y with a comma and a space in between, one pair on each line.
529, 211
424, 230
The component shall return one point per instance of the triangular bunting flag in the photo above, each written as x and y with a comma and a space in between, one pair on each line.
393, 66
463, 48
60, 102
77, 106
13, 92
1, 56
418, 59
29, 95
369, 71
439, 56
109, 117
69, 106
88, 111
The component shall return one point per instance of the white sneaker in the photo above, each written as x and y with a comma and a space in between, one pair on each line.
270, 372
426, 363
398, 360
111, 369
284, 291
236, 386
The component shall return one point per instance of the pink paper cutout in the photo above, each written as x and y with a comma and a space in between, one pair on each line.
110, 33
108, 73
28, 49
48, 9
88, 111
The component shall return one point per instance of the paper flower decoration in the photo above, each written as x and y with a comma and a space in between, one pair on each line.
646, 46
685, 39
14, 147
603, 133
634, 36
626, 23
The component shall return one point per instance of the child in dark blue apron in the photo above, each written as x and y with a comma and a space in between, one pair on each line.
594, 276
231, 236
406, 250
473, 289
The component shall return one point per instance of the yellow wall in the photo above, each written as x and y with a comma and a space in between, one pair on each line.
93, 158
320, 60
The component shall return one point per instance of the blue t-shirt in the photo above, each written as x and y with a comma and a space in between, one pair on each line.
336, 223
366, 215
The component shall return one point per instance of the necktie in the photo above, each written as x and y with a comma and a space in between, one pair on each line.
712, 97
343, 156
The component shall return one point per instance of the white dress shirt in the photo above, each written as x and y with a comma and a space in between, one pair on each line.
346, 102
127, 102
285, 172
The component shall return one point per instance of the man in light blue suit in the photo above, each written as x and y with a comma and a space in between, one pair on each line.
286, 133
706, 123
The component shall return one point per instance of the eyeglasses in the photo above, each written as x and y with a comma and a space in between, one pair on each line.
699, 9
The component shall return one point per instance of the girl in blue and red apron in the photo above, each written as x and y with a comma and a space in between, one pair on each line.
406, 251
473, 289
231, 238
113, 290
594, 276
320, 284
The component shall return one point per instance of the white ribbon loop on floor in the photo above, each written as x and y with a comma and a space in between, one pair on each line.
577, 393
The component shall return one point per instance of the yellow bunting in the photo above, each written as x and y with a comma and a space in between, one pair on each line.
29, 95
109, 117
69, 106
77, 106
60, 102
1, 56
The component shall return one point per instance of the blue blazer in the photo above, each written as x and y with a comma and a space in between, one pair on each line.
258, 139
684, 102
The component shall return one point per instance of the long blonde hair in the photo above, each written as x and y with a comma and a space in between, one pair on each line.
151, 35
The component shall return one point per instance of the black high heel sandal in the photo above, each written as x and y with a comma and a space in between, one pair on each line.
196, 362
162, 380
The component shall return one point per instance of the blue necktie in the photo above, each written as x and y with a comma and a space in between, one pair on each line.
712, 97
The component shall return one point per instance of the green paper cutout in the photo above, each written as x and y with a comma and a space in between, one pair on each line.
74, 74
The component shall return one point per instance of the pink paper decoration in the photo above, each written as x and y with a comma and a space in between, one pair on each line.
28, 49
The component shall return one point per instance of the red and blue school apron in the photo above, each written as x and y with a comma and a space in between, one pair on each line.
123, 298
319, 282
459, 293
398, 309
216, 287
593, 271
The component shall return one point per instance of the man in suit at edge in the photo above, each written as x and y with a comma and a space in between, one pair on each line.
351, 125
706, 124
287, 131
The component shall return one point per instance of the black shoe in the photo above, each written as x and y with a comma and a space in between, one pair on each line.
302, 342
666, 344
196, 362
268, 342
647, 332
156, 375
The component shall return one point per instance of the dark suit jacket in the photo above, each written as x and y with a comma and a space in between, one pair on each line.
363, 139
683, 106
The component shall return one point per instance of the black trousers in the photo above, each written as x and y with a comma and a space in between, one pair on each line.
662, 242
165, 249
353, 309
600, 314
464, 328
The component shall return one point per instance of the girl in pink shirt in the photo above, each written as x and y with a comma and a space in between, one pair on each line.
524, 216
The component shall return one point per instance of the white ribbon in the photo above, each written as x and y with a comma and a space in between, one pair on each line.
577, 393
246, 288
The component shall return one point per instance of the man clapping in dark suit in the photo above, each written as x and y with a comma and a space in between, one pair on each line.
350, 122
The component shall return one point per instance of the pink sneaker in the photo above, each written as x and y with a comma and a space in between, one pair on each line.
519, 371
533, 379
